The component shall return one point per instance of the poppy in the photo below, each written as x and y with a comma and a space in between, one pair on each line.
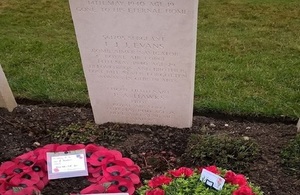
5, 170
51, 147
133, 177
96, 174
94, 170
76, 147
41, 152
159, 181
182, 172
62, 148
103, 156
92, 189
42, 183
134, 169
40, 167
119, 185
4, 186
29, 157
122, 172
115, 171
29, 179
155, 192
22, 191
15, 170
91, 148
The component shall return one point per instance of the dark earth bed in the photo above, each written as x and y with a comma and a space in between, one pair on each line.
154, 148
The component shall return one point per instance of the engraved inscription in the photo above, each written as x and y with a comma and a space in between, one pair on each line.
145, 60
133, 7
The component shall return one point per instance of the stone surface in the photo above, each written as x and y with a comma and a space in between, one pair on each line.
138, 59
7, 99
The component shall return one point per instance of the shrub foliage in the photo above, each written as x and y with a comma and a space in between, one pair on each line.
221, 150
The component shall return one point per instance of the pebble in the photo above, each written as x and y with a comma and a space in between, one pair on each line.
248, 128
134, 156
226, 125
36, 144
212, 125
141, 141
246, 138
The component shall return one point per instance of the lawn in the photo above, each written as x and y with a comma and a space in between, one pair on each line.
248, 55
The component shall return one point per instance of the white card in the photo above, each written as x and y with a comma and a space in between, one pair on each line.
66, 164
212, 180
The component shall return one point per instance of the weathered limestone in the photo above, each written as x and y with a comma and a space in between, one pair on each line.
7, 99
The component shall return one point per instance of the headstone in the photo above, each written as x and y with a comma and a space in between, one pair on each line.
138, 58
7, 99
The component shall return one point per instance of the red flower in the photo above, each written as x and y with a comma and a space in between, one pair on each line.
103, 156
134, 178
119, 184
229, 176
27, 158
25, 191
76, 147
92, 189
155, 192
5, 170
183, 171
159, 180
91, 148
42, 183
239, 179
41, 152
134, 169
3, 187
212, 169
244, 190
28, 179
51, 147
115, 171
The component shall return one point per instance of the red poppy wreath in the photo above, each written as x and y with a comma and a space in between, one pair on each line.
109, 172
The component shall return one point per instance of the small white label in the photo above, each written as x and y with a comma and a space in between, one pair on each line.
66, 164
212, 180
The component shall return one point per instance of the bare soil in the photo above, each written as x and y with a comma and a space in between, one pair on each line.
154, 148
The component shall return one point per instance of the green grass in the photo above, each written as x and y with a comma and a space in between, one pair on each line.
39, 51
248, 55
290, 156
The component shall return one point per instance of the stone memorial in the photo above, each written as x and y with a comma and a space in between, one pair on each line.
138, 58
7, 99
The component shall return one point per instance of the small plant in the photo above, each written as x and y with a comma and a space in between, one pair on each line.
85, 133
186, 181
291, 155
234, 153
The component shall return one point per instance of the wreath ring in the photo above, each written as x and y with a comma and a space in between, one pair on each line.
108, 171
